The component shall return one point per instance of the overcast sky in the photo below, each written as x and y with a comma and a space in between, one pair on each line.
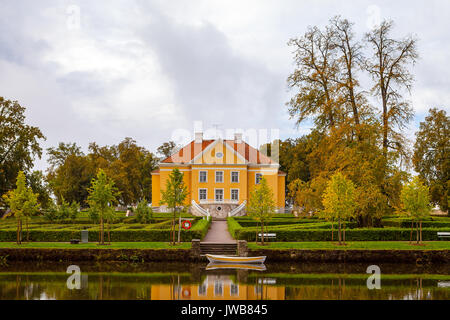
105, 70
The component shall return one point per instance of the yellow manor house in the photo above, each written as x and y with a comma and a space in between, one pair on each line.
219, 175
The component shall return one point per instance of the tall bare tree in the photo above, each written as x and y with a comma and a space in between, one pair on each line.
349, 59
389, 68
315, 67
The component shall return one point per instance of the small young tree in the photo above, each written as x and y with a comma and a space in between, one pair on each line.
22, 202
174, 195
143, 212
261, 205
339, 201
416, 203
101, 199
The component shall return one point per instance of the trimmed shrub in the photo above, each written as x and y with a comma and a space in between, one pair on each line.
120, 234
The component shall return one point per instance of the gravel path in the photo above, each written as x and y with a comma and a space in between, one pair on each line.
218, 232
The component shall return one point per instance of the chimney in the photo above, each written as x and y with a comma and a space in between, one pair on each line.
198, 137
238, 138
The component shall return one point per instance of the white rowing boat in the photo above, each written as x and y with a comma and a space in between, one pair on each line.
240, 266
231, 259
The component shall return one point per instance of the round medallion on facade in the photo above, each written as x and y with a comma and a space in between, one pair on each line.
219, 155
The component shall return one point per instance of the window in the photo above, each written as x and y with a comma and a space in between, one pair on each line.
234, 289
203, 176
258, 178
218, 288
219, 176
202, 290
202, 194
234, 176
219, 195
235, 194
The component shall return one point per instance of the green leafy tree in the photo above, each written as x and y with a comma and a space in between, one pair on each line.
22, 202
143, 212
261, 205
167, 149
432, 156
19, 143
37, 182
174, 196
416, 203
339, 201
102, 197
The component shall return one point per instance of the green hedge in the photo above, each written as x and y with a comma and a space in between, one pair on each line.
198, 231
381, 234
292, 233
406, 223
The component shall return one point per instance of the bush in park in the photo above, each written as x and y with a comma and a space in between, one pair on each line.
416, 204
61, 212
144, 213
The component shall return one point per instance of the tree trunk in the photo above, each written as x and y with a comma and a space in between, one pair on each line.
332, 230
410, 236
173, 226
339, 232
417, 233
420, 241
256, 235
18, 231
262, 233
109, 232
102, 240
344, 232
179, 229
28, 230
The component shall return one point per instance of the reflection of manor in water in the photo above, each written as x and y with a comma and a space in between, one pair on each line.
219, 287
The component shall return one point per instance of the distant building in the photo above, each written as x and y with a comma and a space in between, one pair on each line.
219, 174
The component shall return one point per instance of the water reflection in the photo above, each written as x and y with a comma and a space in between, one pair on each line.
194, 282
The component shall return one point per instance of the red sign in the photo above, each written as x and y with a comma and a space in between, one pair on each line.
186, 225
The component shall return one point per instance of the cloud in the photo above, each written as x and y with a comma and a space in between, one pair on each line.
147, 68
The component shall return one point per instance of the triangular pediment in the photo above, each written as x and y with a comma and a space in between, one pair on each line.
219, 152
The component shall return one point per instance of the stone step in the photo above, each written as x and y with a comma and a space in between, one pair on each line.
218, 248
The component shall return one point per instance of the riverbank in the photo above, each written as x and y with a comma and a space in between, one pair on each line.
436, 252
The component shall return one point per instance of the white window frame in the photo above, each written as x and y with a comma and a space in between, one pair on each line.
256, 177
199, 176
231, 176
231, 194
223, 176
199, 190
223, 195
235, 294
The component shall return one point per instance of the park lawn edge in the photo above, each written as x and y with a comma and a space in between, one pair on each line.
316, 246
94, 245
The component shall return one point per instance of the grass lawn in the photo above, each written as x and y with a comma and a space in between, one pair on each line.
369, 245
95, 245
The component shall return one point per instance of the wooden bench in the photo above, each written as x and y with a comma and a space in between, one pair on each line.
268, 235
74, 241
442, 235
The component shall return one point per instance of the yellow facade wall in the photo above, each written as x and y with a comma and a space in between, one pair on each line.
156, 190
281, 191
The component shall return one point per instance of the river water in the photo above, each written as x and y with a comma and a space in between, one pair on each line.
181, 281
